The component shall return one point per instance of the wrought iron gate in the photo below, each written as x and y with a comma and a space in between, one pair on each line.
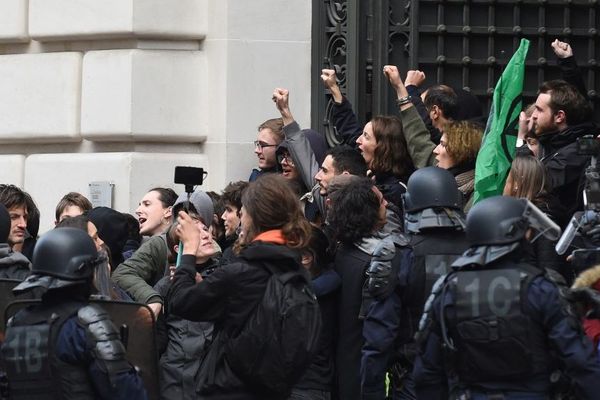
458, 42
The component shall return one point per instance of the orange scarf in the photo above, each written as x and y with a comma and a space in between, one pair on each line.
272, 236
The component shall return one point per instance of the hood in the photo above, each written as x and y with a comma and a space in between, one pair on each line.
9, 258
317, 142
269, 252
588, 278
112, 229
553, 141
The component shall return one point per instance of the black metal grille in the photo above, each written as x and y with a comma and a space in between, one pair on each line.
461, 43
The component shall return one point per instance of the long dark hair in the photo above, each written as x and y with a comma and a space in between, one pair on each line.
391, 154
271, 204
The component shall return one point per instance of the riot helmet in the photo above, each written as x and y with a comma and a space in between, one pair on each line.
497, 225
62, 257
432, 187
432, 201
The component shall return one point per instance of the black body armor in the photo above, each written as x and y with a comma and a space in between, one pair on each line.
490, 336
33, 368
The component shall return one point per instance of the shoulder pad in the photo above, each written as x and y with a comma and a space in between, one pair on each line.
102, 332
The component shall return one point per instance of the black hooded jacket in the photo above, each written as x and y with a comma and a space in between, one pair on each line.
565, 168
227, 296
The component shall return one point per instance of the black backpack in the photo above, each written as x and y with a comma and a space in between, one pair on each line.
278, 341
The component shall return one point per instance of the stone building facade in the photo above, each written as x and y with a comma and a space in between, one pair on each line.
122, 91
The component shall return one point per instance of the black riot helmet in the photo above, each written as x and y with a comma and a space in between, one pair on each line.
497, 225
432, 187
62, 257
497, 220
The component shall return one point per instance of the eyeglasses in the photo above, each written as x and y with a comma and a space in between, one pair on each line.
261, 145
285, 157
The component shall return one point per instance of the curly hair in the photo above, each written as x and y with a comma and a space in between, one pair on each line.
464, 141
354, 210
271, 204
391, 154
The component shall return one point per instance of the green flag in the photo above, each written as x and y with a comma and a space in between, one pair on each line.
500, 136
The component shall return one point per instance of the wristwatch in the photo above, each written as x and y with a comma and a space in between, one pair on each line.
403, 100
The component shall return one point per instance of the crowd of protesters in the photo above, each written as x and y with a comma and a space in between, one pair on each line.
422, 293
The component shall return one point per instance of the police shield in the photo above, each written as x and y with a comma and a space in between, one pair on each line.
136, 325
138, 333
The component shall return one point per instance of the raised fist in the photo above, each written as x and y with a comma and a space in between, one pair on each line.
393, 75
281, 97
562, 49
329, 78
414, 77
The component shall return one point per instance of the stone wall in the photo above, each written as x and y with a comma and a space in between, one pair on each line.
125, 90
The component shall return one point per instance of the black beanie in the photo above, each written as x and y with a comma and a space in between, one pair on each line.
4, 224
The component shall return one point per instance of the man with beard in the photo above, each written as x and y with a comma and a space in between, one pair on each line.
561, 116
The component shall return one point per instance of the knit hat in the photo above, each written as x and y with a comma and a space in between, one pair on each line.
200, 203
4, 224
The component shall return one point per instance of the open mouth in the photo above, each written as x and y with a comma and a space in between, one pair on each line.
141, 220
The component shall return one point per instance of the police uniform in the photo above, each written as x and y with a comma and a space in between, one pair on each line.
497, 328
434, 224
63, 348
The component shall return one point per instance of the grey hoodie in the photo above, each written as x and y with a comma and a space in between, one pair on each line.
13, 265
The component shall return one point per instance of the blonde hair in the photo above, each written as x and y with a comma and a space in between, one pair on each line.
529, 178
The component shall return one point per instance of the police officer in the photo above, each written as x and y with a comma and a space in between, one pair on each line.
63, 347
496, 327
401, 275
435, 221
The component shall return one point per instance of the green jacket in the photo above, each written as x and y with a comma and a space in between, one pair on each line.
418, 141
138, 274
